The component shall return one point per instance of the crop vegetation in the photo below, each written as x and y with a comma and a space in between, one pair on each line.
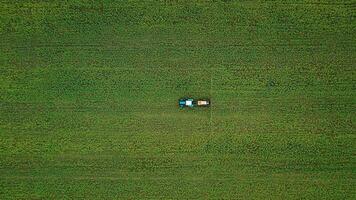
89, 90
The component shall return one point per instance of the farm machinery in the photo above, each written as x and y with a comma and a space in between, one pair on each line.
190, 102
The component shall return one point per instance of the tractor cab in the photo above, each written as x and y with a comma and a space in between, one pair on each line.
186, 103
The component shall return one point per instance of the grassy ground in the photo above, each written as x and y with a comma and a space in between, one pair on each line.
88, 99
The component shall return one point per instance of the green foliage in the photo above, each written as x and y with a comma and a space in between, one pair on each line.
89, 90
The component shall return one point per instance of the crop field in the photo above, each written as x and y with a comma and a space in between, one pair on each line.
89, 93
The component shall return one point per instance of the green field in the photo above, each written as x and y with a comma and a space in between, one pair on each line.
89, 90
